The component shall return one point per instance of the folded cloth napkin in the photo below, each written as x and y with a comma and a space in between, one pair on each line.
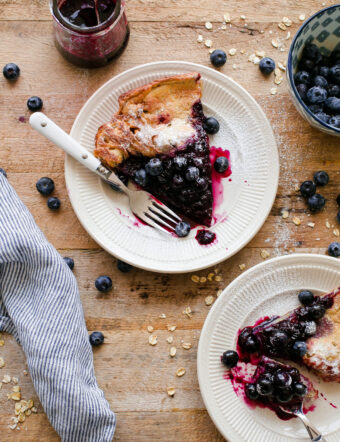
40, 306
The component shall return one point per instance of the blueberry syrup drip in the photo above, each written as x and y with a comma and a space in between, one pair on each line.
86, 13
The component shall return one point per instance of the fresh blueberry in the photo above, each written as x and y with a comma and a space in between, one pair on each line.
243, 336
302, 77
230, 358
338, 200
251, 344
182, 229
251, 392
309, 328
141, 177
3, 172
321, 178
332, 105
69, 261
211, 125
299, 348
312, 52
34, 104
154, 167
284, 395
316, 202
218, 58
201, 183
123, 267
267, 65
192, 173
282, 379
324, 71
322, 116
307, 188
45, 186
264, 386
300, 389
221, 164
338, 217
302, 90
334, 90
180, 163
316, 94
334, 74
306, 65
53, 203
11, 71
316, 311
306, 297
103, 283
294, 373
321, 81
334, 249
335, 56
315, 108
96, 338
335, 121
278, 339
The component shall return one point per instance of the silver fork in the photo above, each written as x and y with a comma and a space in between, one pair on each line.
142, 204
313, 432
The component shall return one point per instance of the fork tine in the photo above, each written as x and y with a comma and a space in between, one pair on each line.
167, 210
156, 218
151, 223
155, 209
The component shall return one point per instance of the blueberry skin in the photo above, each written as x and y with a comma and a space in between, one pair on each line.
335, 121
267, 65
302, 91
334, 249
321, 178
332, 105
324, 71
302, 77
182, 229
251, 392
300, 389
282, 379
141, 177
316, 94
96, 338
306, 65
251, 344
3, 172
230, 358
279, 339
285, 395
264, 387
306, 297
316, 202
315, 108
221, 164
338, 200
180, 163
69, 261
34, 104
45, 186
53, 203
299, 348
316, 311
218, 58
312, 52
211, 125
334, 91
103, 283
123, 266
192, 173
321, 81
11, 71
154, 167
334, 73
307, 189
322, 116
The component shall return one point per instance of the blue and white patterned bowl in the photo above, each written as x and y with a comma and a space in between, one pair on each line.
323, 29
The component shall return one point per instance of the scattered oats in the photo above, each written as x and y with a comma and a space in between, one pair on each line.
282, 26
270, 32
242, 267
173, 351
34, 410
25, 372
265, 254
278, 80
218, 278
256, 60
150, 328
152, 339
203, 279
242, 17
209, 300
234, 66
227, 18
211, 276
208, 25
17, 407
2, 362
187, 312
28, 412
277, 72
336, 232
180, 372
260, 54
288, 35
162, 315
211, 51
296, 221
195, 278
302, 17
15, 380
285, 214
2, 342
21, 418
186, 345
0, 385
171, 391
200, 39
273, 90
14, 396
311, 225
242, 51
317, 239
232, 51
171, 328
16, 389
275, 44
224, 26
327, 224
219, 293
170, 340
6, 379
208, 43
287, 21
281, 66
12, 427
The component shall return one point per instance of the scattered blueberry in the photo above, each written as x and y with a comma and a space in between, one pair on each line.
334, 249
300, 389
282, 379
192, 173
335, 121
218, 58
284, 395
69, 261
180, 163
123, 266
211, 125
103, 283
264, 386
321, 178
306, 297
251, 392
230, 358
299, 348
53, 203
45, 185
267, 65
154, 167
11, 71
3, 172
316, 202
182, 229
307, 189
316, 94
34, 104
221, 164
96, 338
332, 105
251, 344
320, 81
322, 116
316, 311
302, 77
141, 177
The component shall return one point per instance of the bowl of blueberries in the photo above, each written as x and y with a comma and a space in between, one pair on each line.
313, 70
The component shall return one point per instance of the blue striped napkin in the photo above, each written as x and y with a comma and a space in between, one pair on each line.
40, 306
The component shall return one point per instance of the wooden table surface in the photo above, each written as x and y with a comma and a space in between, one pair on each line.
134, 375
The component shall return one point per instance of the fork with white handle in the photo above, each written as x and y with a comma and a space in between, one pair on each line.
142, 204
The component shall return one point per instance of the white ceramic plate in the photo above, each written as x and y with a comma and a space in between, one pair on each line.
248, 197
266, 289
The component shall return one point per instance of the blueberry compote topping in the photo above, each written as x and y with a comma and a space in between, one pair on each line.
86, 13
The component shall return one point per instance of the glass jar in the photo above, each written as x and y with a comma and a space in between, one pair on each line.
91, 46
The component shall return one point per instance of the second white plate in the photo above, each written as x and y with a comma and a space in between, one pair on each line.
248, 195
